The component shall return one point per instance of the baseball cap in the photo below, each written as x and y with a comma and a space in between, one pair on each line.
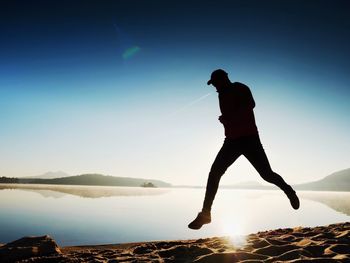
217, 74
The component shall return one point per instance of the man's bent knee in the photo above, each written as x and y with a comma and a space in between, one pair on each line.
270, 176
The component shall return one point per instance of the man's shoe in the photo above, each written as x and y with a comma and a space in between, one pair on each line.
201, 219
294, 200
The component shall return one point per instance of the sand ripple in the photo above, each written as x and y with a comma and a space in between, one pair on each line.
319, 244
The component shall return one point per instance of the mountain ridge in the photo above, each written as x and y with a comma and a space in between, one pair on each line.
49, 175
337, 181
95, 179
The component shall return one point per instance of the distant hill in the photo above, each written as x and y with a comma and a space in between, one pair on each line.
50, 175
338, 181
95, 179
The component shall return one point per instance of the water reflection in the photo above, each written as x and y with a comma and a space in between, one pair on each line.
134, 214
338, 201
58, 191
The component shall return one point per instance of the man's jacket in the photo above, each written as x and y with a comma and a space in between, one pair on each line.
236, 105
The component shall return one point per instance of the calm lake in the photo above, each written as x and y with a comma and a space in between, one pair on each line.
77, 215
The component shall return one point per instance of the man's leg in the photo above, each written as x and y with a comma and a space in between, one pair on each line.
228, 153
256, 155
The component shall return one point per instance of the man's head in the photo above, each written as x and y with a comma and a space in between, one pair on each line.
219, 79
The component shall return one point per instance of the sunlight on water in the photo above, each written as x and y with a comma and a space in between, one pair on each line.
235, 233
232, 225
233, 229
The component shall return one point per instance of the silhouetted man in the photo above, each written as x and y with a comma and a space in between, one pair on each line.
236, 105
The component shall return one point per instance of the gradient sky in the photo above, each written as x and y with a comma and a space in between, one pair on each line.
119, 87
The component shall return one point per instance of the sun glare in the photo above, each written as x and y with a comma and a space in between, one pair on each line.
234, 230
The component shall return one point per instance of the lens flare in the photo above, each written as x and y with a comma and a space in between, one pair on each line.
190, 104
130, 52
128, 47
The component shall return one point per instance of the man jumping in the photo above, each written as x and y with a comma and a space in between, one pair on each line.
236, 105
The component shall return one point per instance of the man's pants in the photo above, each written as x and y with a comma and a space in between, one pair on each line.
251, 148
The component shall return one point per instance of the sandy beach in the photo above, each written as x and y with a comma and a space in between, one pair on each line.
301, 244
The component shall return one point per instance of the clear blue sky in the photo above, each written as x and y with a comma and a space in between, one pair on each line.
119, 87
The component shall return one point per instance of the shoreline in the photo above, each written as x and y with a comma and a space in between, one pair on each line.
329, 243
